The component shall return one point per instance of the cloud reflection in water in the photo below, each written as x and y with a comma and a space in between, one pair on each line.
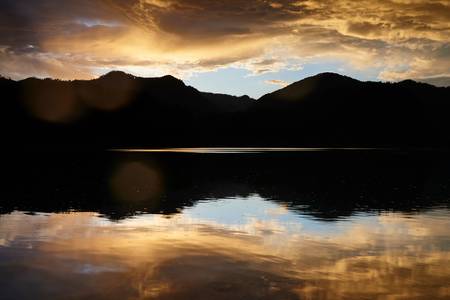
240, 248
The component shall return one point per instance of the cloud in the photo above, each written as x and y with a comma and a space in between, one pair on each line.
442, 81
277, 82
79, 39
190, 258
365, 28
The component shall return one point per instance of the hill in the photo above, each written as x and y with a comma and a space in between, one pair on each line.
120, 110
330, 109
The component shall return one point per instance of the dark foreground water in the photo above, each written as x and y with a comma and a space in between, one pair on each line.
228, 224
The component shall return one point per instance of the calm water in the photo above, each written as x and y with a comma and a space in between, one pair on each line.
226, 225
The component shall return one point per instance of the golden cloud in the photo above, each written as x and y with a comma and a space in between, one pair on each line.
153, 257
77, 39
278, 82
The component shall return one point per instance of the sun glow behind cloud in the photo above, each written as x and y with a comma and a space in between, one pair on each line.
388, 39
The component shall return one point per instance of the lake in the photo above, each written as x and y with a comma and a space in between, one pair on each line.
226, 223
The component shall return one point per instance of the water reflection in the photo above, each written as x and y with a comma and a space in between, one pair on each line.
328, 185
136, 182
239, 248
303, 225
250, 150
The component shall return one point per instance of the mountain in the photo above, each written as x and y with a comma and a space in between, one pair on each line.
120, 110
227, 103
330, 109
116, 109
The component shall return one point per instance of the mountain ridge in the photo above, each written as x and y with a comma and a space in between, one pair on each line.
327, 75
121, 110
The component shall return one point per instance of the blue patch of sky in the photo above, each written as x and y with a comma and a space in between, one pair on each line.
239, 81
241, 211
97, 22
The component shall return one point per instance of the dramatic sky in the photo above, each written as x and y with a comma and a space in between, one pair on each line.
233, 46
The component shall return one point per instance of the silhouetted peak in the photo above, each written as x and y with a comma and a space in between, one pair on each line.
407, 82
245, 97
325, 80
31, 79
4, 79
116, 75
170, 78
305, 87
329, 77
412, 83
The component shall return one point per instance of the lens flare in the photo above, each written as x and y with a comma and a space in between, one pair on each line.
136, 182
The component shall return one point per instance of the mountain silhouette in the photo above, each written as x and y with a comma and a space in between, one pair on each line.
326, 185
330, 109
121, 110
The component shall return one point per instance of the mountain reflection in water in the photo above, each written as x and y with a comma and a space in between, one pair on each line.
261, 226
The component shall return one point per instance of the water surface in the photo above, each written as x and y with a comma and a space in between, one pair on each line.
291, 225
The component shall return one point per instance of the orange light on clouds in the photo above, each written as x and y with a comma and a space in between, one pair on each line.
400, 39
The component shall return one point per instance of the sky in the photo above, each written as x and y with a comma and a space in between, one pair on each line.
235, 46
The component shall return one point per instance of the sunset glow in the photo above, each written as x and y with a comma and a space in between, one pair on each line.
262, 43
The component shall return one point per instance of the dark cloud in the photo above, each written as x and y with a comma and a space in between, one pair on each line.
443, 81
365, 28
205, 18
74, 37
